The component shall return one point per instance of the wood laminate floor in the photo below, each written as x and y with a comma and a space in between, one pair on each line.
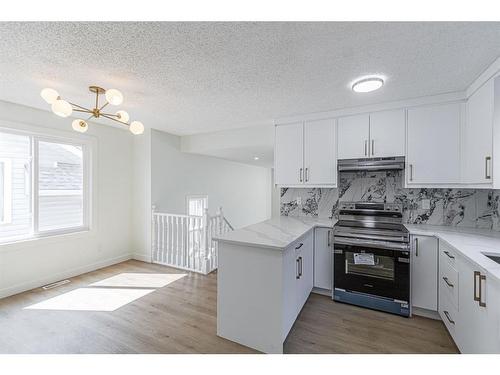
181, 318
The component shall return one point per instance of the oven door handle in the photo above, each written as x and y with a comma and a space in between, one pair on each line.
375, 244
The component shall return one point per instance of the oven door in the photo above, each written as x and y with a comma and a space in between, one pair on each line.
371, 270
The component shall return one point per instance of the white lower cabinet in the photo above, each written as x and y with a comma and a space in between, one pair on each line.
468, 303
323, 259
297, 278
424, 272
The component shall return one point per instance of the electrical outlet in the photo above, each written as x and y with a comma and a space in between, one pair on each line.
299, 200
426, 204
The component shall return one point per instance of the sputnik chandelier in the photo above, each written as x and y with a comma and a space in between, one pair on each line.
64, 108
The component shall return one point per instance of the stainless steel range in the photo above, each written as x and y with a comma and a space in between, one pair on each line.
372, 257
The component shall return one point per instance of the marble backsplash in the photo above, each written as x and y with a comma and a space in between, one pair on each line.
475, 208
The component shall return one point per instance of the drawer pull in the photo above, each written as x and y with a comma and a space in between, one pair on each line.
481, 279
447, 314
416, 246
300, 267
448, 254
300, 245
297, 272
476, 296
447, 282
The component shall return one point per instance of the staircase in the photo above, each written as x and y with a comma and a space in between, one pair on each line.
186, 241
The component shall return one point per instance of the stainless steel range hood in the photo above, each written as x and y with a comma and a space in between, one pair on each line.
374, 164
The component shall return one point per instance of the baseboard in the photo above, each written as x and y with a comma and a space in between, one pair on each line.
425, 313
142, 257
324, 292
16, 289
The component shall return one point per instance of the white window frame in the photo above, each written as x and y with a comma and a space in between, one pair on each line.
189, 197
87, 150
6, 217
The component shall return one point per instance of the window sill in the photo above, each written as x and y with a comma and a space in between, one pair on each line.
45, 239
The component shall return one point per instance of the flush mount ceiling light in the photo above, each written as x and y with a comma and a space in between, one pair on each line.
64, 108
367, 84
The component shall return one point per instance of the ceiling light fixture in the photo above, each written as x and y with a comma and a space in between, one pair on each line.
64, 108
367, 84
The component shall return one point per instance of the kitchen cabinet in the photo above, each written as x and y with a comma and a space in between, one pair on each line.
424, 272
433, 145
387, 133
353, 137
305, 154
323, 259
378, 134
320, 153
288, 154
468, 302
478, 136
305, 278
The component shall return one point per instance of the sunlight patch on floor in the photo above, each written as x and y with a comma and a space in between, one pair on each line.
92, 299
140, 280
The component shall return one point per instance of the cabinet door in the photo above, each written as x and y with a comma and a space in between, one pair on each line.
320, 154
433, 140
353, 133
323, 259
424, 280
306, 269
288, 154
477, 329
387, 133
478, 136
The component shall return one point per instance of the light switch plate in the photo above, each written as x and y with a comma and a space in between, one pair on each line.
299, 200
426, 204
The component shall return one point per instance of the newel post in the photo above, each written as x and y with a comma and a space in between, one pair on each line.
220, 220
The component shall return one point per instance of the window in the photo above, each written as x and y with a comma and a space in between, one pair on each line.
43, 186
196, 205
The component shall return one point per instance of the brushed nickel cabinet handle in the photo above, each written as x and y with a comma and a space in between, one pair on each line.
448, 282
477, 274
307, 175
297, 274
416, 246
411, 172
300, 267
366, 146
328, 238
300, 245
481, 279
449, 255
300, 175
448, 317
486, 174
373, 147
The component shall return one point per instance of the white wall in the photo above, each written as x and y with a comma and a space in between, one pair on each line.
28, 264
244, 191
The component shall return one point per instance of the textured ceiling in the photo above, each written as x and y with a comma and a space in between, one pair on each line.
188, 78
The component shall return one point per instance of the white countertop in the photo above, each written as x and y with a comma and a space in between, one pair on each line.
276, 233
470, 242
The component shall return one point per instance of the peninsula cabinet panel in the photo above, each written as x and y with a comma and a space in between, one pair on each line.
433, 145
288, 154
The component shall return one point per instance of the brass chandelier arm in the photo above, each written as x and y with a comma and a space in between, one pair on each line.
104, 105
79, 106
82, 110
111, 118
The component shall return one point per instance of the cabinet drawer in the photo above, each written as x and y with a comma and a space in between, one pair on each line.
448, 282
448, 314
447, 254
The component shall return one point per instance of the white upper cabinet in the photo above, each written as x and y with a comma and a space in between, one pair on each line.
320, 153
478, 136
305, 154
433, 145
288, 154
353, 137
387, 133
